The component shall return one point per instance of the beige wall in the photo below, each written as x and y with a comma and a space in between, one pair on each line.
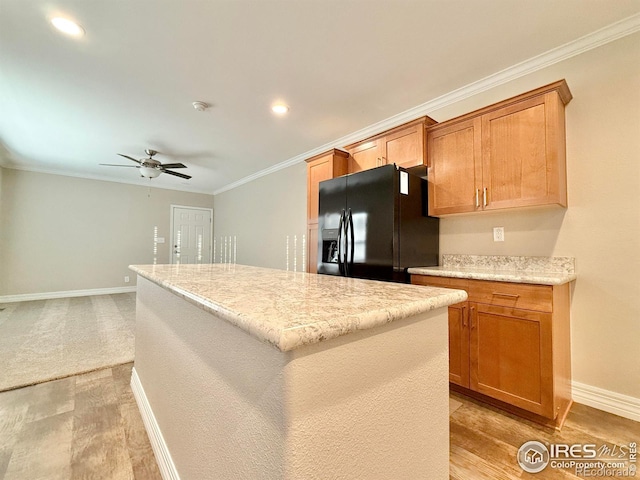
261, 214
64, 233
601, 227
2, 228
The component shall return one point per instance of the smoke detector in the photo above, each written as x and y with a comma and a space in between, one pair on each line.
200, 106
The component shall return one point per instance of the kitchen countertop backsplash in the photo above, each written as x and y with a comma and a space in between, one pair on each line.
517, 269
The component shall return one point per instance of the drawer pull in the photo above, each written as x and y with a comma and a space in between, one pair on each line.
509, 295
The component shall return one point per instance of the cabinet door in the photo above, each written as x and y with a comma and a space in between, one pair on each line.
521, 154
317, 171
312, 248
511, 356
405, 148
365, 156
459, 344
455, 168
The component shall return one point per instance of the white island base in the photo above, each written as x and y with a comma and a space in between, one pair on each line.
220, 404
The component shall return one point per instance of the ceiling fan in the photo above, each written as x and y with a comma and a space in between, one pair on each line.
151, 168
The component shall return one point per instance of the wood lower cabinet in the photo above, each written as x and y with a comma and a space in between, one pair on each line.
510, 154
325, 166
459, 344
511, 356
511, 343
403, 145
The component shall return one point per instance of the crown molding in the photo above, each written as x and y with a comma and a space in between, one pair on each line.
100, 178
583, 44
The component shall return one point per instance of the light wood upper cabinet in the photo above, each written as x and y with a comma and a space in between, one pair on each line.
366, 155
403, 145
511, 154
456, 168
322, 167
327, 165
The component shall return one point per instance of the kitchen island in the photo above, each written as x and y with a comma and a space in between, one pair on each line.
251, 373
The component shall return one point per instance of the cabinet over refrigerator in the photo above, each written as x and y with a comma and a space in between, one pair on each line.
374, 224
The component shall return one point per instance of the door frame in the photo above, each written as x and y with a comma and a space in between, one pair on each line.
172, 208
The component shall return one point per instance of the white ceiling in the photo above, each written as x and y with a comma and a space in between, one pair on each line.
342, 65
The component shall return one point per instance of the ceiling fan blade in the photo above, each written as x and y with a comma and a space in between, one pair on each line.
131, 158
173, 165
181, 175
116, 165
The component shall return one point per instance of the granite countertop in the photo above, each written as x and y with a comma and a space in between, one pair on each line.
536, 270
292, 309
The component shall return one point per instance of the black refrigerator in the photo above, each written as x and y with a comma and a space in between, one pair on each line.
374, 224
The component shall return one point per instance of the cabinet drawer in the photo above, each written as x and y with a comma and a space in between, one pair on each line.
505, 294
443, 282
515, 295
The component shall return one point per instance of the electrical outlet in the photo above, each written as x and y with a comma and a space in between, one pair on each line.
126, 279
498, 234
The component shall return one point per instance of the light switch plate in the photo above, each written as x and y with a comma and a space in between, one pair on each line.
498, 234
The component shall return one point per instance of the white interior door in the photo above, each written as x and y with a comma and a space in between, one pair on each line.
191, 231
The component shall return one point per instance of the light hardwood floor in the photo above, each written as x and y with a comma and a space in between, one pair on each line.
485, 440
82, 427
88, 427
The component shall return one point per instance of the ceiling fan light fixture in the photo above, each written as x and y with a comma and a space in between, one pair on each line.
149, 172
68, 27
200, 106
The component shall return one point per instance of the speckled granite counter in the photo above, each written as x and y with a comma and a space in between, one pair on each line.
535, 270
289, 309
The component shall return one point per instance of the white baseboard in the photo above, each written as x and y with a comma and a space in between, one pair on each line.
24, 297
160, 449
606, 400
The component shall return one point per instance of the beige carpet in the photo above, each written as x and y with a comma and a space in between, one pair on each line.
48, 339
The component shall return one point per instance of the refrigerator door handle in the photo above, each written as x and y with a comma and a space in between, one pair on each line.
341, 265
346, 244
350, 243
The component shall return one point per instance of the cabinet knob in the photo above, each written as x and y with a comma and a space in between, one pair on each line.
484, 196
477, 198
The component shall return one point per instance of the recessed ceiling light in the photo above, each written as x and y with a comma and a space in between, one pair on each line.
68, 27
280, 108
